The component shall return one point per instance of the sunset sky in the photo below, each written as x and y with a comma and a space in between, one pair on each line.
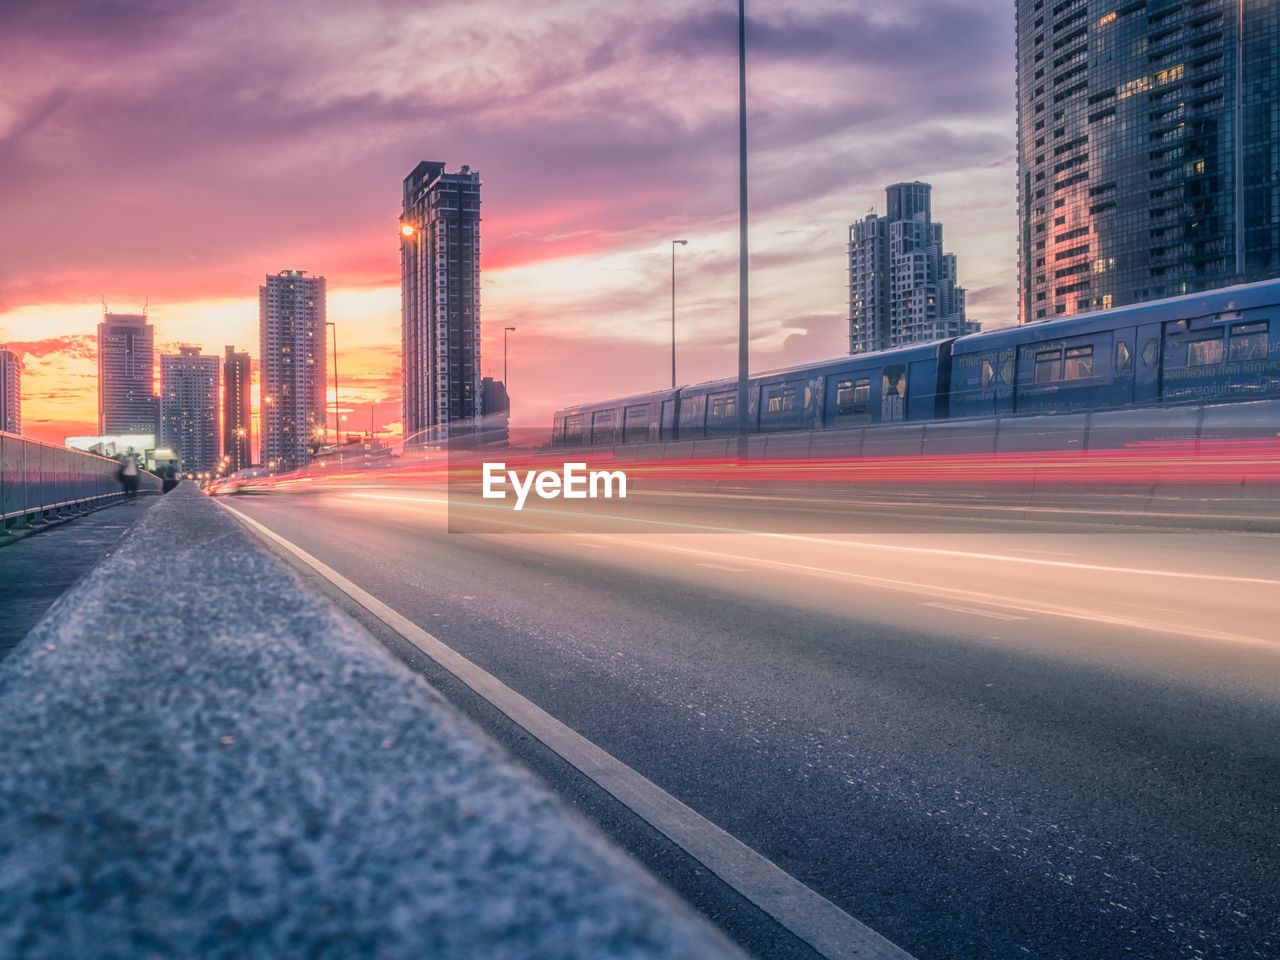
177, 152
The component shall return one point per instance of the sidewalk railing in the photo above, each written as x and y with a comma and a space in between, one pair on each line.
39, 480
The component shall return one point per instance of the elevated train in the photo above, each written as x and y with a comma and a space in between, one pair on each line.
1218, 346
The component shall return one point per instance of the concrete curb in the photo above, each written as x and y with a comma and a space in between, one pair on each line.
201, 757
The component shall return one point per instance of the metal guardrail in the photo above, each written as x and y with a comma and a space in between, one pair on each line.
38, 480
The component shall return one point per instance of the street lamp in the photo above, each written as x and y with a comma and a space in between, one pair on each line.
673, 309
743, 366
336, 426
262, 429
505, 331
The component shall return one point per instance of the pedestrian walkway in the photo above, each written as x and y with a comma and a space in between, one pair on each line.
36, 570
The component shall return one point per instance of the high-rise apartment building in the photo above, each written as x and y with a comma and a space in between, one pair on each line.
236, 423
189, 409
1148, 150
10, 392
902, 287
127, 403
291, 316
440, 302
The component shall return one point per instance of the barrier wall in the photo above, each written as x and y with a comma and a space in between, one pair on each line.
38, 479
1105, 430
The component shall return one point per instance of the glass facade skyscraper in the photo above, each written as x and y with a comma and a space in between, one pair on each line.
1148, 137
440, 302
127, 403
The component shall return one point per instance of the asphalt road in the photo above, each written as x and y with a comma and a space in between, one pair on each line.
1012, 741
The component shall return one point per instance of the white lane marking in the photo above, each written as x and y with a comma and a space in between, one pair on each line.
808, 915
912, 586
957, 608
593, 546
865, 545
722, 566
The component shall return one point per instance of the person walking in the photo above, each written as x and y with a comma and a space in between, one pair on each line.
128, 475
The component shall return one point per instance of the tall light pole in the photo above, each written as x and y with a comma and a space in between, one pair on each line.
743, 366
673, 309
337, 428
505, 331
262, 429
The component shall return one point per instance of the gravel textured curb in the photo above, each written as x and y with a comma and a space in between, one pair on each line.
200, 757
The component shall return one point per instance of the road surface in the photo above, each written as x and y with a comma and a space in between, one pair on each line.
1011, 741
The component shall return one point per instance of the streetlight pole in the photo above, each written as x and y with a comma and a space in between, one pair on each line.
505, 331
743, 365
673, 309
337, 427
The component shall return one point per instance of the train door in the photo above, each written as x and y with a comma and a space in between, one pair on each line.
668, 420
922, 401
635, 427
1148, 347
893, 393
1124, 357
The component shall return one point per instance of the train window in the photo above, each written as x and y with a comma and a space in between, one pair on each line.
724, 406
573, 429
1048, 366
1205, 352
1122, 355
1249, 341
1006, 371
849, 392
1079, 365
780, 399
988, 372
1151, 351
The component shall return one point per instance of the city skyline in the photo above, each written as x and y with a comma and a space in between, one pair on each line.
592, 163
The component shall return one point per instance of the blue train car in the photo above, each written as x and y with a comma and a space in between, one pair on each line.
649, 416
893, 386
1216, 346
1213, 346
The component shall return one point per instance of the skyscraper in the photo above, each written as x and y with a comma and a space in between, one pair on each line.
902, 287
236, 423
10, 392
291, 316
189, 409
126, 375
440, 301
1148, 150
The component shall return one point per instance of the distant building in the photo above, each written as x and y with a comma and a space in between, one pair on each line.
440, 301
902, 287
497, 406
291, 316
1148, 150
236, 423
10, 392
142, 446
189, 409
127, 403
356, 453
